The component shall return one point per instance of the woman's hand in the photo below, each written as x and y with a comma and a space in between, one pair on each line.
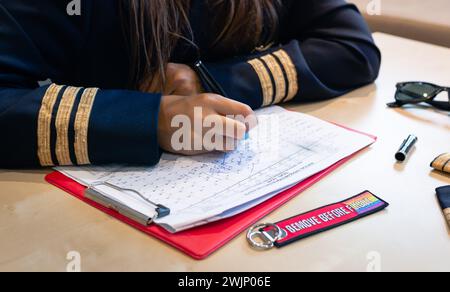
202, 123
180, 80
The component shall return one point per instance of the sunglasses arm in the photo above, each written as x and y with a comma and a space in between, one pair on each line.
442, 105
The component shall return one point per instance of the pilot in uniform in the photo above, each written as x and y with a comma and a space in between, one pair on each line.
89, 113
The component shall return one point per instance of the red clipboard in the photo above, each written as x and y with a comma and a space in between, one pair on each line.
202, 241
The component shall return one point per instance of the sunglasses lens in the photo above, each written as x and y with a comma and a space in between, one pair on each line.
416, 91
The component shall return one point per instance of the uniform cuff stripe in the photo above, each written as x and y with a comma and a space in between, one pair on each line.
442, 163
44, 125
265, 79
291, 73
82, 125
278, 76
447, 214
62, 125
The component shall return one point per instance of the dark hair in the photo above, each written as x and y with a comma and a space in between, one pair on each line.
154, 28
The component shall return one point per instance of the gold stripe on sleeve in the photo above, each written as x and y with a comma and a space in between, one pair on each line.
264, 78
44, 125
278, 76
291, 73
447, 215
447, 212
442, 163
82, 124
62, 125
447, 167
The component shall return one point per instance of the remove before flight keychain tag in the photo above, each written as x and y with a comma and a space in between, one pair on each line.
267, 236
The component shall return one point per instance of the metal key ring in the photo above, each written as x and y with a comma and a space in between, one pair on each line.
268, 241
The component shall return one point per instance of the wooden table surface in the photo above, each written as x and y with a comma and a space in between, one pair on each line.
40, 225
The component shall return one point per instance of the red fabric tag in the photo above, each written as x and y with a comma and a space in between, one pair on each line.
329, 217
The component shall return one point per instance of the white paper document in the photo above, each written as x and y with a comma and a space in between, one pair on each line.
282, 151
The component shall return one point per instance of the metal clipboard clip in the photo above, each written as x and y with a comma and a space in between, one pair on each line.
160, 211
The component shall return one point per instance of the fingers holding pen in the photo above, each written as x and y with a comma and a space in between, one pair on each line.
215, 123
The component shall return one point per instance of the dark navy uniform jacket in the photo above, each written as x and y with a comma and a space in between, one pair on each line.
89, 115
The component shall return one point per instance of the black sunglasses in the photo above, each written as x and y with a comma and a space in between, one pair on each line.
418, 92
